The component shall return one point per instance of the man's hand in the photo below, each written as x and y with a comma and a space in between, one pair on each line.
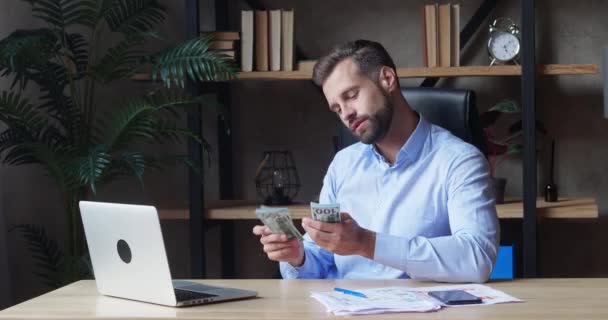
344, 238
278, 248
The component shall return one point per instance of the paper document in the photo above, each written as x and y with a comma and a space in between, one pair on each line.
402, 299
379, 300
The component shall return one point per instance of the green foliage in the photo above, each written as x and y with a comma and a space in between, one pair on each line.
193, 58
81, 143
54, 268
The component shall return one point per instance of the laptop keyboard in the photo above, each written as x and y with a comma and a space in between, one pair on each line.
184, 295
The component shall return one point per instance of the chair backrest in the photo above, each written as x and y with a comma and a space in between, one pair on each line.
452, 109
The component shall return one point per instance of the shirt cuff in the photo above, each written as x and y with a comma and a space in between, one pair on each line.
391, 251
304, 271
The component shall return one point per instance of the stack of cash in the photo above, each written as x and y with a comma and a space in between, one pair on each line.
278, 220
325, 212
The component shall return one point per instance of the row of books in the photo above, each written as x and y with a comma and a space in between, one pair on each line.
441, 35
267, 39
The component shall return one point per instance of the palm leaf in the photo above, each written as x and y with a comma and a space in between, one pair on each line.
49, 259
133, 16
121, 61
138, 120
91, 167
126, 164
161, 162
195, 60
17, 113
61, 14
24, 50
78, 53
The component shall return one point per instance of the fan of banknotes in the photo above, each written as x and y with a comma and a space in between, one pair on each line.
278, 220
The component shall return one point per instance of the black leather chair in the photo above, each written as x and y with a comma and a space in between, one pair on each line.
452, 109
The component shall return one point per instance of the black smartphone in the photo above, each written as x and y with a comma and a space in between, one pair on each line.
455, 297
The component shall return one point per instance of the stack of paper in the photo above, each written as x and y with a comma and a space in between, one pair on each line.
402, 299
379, 300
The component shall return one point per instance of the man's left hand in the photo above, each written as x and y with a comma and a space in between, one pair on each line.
344, 238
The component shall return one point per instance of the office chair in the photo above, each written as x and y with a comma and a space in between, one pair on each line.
452, 109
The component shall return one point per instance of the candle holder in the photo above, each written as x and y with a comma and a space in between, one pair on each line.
276, 178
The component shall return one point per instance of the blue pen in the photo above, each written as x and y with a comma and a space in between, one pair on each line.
352, 293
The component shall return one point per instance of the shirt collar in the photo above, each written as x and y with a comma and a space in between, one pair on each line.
412, 148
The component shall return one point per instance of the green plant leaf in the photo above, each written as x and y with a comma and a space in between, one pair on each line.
515, 149
48, 258
193, 59
139, 120
506, 106
25, 51
122, 60
133, 16
64, 13
158, 163
93, 166
127, 164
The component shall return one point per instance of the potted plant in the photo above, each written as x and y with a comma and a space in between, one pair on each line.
81, 143
500, 145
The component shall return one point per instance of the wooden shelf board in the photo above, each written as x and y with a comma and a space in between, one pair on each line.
512, 209
469, 71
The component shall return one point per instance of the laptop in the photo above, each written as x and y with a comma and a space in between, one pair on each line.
129, 260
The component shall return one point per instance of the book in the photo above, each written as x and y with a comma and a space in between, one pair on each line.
306, 65
287, 40
430, 12
261, 40
425, 61
229, 53
247, 40
445, 34
274, 40
455, 28
222, 45
223, 35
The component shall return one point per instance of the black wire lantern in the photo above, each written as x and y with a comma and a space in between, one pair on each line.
276, 179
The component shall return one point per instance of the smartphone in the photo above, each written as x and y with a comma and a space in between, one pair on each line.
455, 297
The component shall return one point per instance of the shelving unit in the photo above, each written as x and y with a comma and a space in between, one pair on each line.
469, 71
529, 208
566, 208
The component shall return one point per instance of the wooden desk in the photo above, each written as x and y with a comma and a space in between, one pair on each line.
289, 299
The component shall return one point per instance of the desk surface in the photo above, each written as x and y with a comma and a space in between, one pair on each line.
289, 299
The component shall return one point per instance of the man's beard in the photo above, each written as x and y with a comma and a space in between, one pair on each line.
378, 124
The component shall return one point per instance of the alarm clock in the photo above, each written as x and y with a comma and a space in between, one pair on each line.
504, 42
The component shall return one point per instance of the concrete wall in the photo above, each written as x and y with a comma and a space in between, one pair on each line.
293, 115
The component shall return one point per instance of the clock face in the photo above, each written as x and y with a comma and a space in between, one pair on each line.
503, 46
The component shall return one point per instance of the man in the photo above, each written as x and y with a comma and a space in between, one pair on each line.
416, 200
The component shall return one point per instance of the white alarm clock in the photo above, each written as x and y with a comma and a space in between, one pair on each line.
504, 42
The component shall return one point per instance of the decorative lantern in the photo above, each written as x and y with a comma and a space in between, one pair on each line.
276, 179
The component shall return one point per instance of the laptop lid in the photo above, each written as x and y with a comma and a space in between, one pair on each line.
127, 252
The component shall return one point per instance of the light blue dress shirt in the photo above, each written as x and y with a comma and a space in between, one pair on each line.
433, 211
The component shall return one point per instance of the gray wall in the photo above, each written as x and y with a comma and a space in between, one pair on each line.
293, 115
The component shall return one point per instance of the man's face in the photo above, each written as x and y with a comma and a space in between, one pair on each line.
362, 105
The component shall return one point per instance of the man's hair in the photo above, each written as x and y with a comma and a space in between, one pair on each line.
369, 56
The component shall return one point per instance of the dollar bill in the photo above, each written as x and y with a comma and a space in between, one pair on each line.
325, 212
278, 220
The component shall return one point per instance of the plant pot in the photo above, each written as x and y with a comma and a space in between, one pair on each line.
499, 185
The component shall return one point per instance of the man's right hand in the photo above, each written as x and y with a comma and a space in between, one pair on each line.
279, 248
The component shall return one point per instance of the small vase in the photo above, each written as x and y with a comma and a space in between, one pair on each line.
499, 185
